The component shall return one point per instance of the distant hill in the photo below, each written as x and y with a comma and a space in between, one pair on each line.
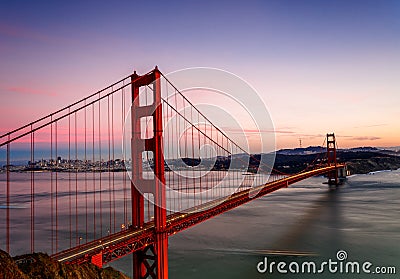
359, 160
302, 151
364, 148
392, 148
320, 149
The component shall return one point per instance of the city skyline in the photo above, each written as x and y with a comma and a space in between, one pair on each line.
318, 67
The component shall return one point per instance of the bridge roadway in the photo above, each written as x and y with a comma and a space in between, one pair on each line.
122, 243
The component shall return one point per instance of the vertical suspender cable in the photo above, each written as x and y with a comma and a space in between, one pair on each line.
76, 181
86, 170
8, 197
94, 173
32, 191
56, 180
124, 158
100, 166
108, 163
51, 186
113, 160
69, 178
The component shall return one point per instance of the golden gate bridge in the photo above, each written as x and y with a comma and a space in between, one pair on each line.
88, 201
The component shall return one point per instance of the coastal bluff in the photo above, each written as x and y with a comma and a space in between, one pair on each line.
41, 266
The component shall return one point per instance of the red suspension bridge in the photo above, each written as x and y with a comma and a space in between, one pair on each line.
67, 188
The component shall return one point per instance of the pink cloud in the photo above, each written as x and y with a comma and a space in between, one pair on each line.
366, 138
19, 32
27, 33
30, 91
256, 131
371, 126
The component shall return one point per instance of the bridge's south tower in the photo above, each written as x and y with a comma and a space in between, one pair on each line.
152, 261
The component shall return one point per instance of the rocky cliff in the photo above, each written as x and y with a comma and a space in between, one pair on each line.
41, 266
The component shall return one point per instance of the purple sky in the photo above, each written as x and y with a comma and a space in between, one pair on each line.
319, 67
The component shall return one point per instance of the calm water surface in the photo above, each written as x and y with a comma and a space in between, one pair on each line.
361, 218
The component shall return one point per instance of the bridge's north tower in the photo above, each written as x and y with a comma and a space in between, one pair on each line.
336, 176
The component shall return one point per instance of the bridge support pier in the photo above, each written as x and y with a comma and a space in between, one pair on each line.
152, 262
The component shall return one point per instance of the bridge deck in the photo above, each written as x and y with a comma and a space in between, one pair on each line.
119, 244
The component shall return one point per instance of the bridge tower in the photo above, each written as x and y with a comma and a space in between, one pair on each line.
333, 178
152, 261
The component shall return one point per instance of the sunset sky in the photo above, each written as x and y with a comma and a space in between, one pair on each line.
318, 67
